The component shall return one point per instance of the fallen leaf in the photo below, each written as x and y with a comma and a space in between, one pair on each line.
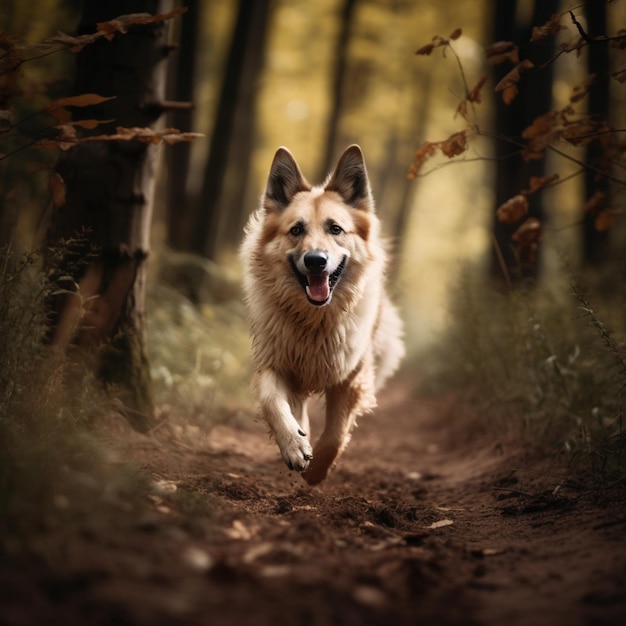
197, 559
440, 524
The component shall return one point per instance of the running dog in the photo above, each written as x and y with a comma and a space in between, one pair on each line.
320, 320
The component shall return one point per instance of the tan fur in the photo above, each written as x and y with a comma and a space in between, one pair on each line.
345, 348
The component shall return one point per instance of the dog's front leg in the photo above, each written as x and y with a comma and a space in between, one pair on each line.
344, 403
273, 397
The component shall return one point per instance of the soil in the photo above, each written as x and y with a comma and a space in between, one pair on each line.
421, 523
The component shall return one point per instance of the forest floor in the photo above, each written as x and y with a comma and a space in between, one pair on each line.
421, 523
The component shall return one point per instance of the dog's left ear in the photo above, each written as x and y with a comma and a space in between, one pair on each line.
350, 180
284, 181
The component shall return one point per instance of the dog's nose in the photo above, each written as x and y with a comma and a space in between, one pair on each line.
315, 261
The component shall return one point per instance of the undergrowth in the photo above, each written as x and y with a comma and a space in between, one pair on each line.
53, 468
546, 367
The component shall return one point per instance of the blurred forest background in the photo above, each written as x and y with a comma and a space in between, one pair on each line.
318, 76
252, 75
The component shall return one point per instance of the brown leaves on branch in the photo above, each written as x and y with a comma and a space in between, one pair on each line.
473, 97
550, 28
604, 218
68, 137
454, 145
438, 42
108, 30
502, 51
526, 238
564, 125
508, 85
513, 210
58, 108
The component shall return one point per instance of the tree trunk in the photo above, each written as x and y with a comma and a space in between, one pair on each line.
180, 215
534, 99
234, 123
109, 194
595, 243
338, 91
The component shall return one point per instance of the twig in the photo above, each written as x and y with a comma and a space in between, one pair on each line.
581, 30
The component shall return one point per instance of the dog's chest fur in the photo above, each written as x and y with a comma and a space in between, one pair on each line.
312, 356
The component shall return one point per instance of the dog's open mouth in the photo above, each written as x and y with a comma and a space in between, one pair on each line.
319, 287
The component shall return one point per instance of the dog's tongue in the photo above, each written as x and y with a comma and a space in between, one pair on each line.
318, 289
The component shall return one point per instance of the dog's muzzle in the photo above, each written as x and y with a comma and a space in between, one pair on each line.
317, 282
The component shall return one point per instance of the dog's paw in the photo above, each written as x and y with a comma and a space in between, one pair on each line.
296, 452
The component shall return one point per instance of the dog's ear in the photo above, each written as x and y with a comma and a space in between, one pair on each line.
285, 180
350, 180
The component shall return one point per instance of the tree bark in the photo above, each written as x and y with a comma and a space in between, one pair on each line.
180, 215
234, 124
534, 99
338, 87
595, 243
107, 215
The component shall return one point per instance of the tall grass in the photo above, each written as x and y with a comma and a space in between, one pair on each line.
546, 367
52, 467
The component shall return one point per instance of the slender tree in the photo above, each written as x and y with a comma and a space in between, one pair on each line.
232, 140
181, 83
595, 243
338, 90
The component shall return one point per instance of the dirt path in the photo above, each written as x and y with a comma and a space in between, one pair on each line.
413, 527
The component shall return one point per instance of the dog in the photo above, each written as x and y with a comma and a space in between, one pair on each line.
321, 322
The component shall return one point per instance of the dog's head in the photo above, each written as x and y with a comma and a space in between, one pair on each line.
322, 233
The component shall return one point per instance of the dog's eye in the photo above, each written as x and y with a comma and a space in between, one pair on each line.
335, 229
296, 230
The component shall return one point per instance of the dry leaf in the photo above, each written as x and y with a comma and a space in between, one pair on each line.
620, 40
121, 23
541, 125
619, 75
508, 85
454, 145
539, 182
56, 185
426, 150
580, 91
425, 50
551, 27
595, 204
58, 108
474, 94
440, 524
605, 220
512, 210
502, 51
456, 34
528, 233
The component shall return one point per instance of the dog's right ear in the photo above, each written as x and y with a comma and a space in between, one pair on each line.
284, 181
